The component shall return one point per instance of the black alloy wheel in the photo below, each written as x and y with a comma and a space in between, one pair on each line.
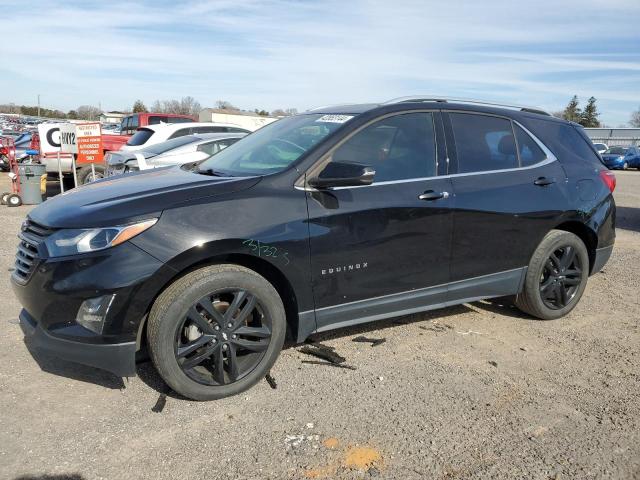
222, 337
561, 278
556, 276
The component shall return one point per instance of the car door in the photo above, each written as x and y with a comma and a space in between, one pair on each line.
508, 195
383, 249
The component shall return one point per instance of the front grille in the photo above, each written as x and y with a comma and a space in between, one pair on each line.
31, 237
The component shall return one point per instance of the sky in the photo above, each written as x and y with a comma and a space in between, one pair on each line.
271, 54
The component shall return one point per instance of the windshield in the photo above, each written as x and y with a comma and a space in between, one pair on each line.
275, 147
162, 147
617, 150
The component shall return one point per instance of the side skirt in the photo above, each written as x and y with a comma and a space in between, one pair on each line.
498, 284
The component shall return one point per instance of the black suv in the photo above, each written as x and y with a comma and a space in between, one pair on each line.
334, 217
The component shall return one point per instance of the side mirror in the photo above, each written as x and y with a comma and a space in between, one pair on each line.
343, 174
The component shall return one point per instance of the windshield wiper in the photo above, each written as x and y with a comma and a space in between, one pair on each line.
212, 172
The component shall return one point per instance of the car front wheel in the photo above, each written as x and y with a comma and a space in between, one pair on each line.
556, 277
216, 331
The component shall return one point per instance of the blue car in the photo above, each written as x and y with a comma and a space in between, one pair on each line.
621, 158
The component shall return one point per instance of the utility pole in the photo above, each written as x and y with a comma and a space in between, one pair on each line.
38, 105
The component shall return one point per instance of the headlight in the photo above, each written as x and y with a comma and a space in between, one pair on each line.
72, 242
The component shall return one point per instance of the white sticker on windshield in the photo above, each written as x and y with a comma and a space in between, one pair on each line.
334, 118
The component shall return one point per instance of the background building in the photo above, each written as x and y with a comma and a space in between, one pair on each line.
247, 120
623, 137
112, 117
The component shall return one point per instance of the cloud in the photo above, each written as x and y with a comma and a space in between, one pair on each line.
279, 53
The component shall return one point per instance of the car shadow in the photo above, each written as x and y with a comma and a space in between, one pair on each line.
628, 218
376, 330
503, 306
75, 371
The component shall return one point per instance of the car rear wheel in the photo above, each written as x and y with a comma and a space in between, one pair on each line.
216, 331
556, 277
86, 175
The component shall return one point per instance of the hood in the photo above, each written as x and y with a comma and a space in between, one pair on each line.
122, 199
612, 157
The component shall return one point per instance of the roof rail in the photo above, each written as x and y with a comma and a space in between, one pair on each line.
439, 99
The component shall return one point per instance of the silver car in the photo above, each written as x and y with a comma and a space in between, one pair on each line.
189, 148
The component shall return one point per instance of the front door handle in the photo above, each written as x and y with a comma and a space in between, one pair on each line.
544, 181
430, 195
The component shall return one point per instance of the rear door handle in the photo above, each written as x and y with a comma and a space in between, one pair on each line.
430, 195
544, 181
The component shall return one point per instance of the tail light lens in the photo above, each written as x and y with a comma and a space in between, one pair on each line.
609, 179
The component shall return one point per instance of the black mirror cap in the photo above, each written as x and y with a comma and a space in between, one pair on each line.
343, 174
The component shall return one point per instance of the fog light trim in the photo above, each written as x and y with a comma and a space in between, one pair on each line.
93, 312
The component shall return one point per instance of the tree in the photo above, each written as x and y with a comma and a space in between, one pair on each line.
139, 107
224, 105
589, 117
189, 106
635, 119
279, 112
88, 112
184, 106
572, 111
72, 114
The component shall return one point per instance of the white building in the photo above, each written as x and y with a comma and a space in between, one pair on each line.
247, 120
112, 117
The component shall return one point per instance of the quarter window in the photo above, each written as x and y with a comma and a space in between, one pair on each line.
483, 143
530, 152
398, 148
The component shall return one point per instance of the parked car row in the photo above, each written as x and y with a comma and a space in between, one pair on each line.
621, 158
179, 150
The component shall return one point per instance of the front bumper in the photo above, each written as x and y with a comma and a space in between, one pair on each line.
118, 358
57, 287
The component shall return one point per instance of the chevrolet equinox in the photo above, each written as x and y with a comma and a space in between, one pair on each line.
335, 217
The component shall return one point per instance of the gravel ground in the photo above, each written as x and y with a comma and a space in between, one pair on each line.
474, 391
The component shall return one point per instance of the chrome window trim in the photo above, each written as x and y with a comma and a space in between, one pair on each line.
550, 157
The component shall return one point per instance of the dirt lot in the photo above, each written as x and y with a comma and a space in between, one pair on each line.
475, 391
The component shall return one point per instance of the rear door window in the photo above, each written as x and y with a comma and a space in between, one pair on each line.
483, 143
181, 132
156, 119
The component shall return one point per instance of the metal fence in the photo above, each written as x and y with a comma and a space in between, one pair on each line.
620, 137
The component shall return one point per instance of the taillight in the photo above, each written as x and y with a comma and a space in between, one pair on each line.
609, 179
4, 151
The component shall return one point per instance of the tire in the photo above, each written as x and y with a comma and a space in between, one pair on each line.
550, 276
85, 175
625, 166
172, 322
14, 200
4, 197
